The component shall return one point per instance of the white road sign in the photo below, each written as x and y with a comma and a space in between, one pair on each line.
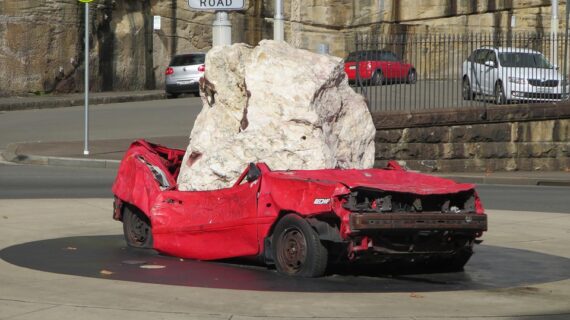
218, 5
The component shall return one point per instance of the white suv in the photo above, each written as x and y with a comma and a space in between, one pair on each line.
511, 74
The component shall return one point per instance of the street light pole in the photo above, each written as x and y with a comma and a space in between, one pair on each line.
86, 102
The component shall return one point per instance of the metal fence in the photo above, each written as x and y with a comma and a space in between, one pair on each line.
415, 72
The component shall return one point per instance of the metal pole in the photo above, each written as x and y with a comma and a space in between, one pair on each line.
554, 32
565, 76
278, 23
221, 30
86, 146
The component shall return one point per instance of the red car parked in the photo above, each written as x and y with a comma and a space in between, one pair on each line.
376, 67
298, 220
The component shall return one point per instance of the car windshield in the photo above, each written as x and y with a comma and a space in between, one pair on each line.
187, 60
524, 60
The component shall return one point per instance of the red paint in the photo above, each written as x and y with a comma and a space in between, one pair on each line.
368, 62
235, 221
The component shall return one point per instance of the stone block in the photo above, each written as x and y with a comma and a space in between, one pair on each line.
273, 103
494, 132
426, 135
388, 136
535, 131
561, 131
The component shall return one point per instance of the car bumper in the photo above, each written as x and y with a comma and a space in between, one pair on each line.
527, 92
183, 87
471, 222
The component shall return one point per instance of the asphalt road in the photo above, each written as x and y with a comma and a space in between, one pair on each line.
174, 117
33, 182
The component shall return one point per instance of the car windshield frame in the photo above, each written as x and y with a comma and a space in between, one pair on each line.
524, 60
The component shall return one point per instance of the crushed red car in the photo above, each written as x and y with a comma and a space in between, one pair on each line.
298, 220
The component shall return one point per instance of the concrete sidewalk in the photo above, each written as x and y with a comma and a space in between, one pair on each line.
108, 153
76, 99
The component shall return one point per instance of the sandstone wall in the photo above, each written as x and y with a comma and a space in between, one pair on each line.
41, 42
498, 138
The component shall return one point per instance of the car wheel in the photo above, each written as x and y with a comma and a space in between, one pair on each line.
468, 93
500, 94
171, 95
297, 249
377, 78
136, 228
412, 77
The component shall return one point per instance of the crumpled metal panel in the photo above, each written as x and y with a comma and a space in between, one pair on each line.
381, 179
135, 184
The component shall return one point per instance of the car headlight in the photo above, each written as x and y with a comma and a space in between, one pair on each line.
517, 80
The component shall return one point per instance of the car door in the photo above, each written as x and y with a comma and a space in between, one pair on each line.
207, 224
399, 70
387, 65
476, 68
490, 70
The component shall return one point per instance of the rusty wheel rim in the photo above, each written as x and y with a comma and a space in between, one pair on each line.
137, 229
292, 250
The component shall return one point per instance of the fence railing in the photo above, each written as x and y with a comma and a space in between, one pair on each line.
414, 72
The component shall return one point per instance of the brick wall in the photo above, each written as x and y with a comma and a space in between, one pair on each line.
484, 139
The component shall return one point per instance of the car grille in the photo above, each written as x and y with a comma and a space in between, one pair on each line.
542, 96
543, 83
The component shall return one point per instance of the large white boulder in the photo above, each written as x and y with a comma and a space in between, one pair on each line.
289, 108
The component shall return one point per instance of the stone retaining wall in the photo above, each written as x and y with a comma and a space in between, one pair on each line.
484, 139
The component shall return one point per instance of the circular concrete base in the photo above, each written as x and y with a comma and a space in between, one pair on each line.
108, 257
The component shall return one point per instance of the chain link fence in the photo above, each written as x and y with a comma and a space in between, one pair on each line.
407, 72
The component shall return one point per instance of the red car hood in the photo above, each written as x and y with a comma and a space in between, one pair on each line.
381, 179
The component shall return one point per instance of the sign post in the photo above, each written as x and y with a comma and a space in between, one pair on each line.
86, 101
222, 27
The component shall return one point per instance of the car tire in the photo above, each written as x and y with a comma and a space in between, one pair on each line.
377, 78
136, 228
172, 95
467, 91
297, 249
499, 94
412, 77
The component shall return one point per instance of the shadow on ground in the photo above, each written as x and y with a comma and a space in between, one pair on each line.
107, 257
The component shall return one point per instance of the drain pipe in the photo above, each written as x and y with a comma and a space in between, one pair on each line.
278, 23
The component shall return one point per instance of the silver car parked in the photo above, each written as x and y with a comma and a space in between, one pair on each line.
183, 74
508, 74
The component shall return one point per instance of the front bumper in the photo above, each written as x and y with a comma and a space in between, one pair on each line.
470, 222
182, 87
529, 92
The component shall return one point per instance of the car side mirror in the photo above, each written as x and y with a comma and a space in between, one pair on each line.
490, 63
253, 173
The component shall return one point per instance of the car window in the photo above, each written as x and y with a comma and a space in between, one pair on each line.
481, 56
491, 56
473, 55
356, 56
389, 56
188, 59
524, 60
